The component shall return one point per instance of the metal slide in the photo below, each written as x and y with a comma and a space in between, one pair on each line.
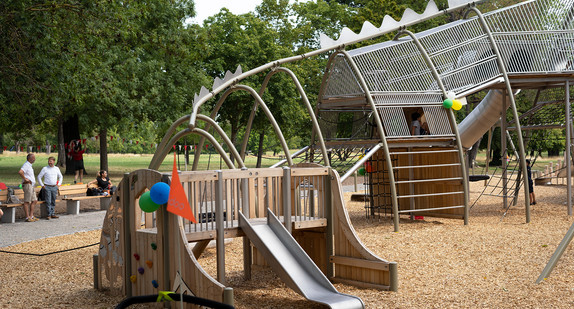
293, 265
482, 118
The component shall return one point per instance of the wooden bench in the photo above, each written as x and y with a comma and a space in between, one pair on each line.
9, 209
73, 202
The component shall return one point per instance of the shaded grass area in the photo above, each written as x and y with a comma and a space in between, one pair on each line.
118, 165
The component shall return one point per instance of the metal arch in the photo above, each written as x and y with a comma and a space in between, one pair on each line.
381, 136
270, 65
305, 101
153, 163
226, 139
269, 115
510, 94
164, 151
212, 116
451, 117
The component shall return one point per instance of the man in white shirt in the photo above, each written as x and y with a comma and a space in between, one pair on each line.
28, 181
52, 181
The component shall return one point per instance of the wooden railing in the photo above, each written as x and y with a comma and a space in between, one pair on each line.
252, 192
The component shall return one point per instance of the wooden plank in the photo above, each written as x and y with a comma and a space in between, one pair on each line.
252, 173
308, 224
360, 284
309, 171
81, 198
197, 176
359, 263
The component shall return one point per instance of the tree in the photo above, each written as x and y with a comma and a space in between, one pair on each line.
97, 61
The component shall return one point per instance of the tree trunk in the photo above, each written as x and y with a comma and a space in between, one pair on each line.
1, 143
71, 130
104, 149
260, 151
61, 162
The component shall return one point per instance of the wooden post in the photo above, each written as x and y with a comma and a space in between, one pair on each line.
247, 253
128, 214
220, 232
287, 198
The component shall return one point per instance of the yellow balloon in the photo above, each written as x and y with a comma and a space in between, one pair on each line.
456, 105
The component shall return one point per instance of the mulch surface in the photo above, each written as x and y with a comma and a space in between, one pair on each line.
491, 263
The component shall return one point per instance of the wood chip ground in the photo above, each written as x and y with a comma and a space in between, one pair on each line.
490, 263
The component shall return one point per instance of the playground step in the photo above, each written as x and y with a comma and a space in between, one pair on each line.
423, 152
425, 166
431, 194
428, 180
430, 209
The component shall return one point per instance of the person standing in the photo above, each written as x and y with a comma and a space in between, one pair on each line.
28, 181
78, 159
52, 180
530, 183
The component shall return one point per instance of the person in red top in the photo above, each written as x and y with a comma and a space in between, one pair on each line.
78, 158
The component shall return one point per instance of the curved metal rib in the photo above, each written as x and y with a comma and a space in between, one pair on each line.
510, 94
305, 101
450, 113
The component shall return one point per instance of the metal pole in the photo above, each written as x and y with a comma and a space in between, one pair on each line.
557, 254
568, 148
502, 69
504, 152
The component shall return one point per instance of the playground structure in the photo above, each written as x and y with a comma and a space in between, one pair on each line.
293, 218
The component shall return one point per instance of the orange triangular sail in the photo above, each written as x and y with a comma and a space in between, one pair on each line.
177, 203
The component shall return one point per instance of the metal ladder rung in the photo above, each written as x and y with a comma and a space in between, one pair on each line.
429, 209
423, 166
422, 152
431, 194
427, 180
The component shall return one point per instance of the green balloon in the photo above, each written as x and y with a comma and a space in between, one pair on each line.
20, 186
146, 204
361, 171
447, 103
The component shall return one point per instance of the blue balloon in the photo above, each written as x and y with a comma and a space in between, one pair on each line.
160, 193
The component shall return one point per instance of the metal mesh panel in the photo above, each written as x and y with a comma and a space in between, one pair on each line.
342, 80
533, 36
328, 124
535, 52
540, 15
394, 121
342, 124
437, 120
400, 68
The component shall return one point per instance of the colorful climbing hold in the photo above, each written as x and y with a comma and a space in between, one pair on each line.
153, 246
154, 283
133, 278
141, 270
137, 256
149, 263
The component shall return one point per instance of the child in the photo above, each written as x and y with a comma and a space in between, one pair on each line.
417, 126
530, 183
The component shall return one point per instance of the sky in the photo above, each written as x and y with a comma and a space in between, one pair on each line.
206, 8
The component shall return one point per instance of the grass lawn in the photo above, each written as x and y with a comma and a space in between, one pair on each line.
119, 164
